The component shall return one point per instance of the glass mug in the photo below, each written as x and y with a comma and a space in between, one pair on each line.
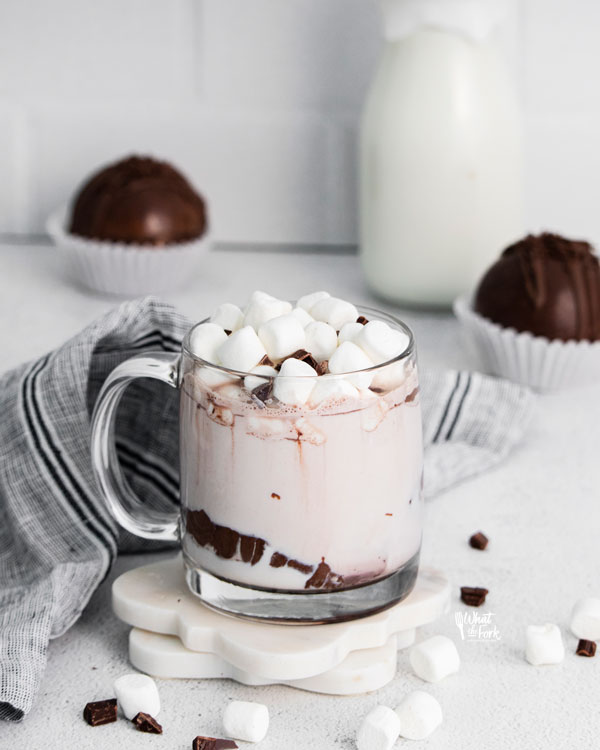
306, 514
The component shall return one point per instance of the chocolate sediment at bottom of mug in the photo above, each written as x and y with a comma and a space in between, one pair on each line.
228, 543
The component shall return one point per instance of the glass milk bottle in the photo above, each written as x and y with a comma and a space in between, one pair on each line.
441, 165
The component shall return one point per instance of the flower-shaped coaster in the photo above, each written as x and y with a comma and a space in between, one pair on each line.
156, 598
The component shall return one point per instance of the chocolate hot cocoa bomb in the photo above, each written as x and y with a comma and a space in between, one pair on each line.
547, 285
139, 200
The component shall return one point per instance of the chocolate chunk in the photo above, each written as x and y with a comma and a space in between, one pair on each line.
222, 539
412, 395
146, 723
263, 392
323, 367
278, 560
251, 548
266, 360
304, 356
275, 496
362, 320
301, 567
479, 540
375, 389
473, 596
324, 578
227, 331
212, 743
100, 712
586, 648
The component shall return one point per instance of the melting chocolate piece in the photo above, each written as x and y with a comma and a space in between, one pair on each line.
324, 578
222, 539
376, 389
304, 356
263, 392
275, 496
212, 743
586, 648
300, 567
100, 712
251, 548
362, 320
479, 540
323, 367
266, 361
278, 560
473, 596
146, 723
412, 395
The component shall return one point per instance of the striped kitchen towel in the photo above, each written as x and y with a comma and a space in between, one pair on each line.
57, 540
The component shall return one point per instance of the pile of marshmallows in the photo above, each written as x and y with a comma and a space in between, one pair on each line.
324, 326
544, 643
419, 714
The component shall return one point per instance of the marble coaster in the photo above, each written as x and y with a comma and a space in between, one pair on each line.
156, 598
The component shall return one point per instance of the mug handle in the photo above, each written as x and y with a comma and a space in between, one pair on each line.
124, 505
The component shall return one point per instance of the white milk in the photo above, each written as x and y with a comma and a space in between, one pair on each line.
441, 187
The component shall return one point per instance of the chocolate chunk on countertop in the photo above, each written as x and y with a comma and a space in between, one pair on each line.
212, 743
586, 648
146, 723
479, 541
473, 596
100, 712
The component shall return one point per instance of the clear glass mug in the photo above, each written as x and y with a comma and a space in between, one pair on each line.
306, 514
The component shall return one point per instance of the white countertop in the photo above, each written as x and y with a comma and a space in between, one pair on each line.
541, 510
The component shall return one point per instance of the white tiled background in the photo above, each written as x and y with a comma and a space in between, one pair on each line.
258, 101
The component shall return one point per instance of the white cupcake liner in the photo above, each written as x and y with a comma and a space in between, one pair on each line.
534, 361
124, 269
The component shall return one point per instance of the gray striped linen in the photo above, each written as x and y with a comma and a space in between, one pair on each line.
57, 540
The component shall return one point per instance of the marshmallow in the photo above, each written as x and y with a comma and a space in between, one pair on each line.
544, 644
135, 693
349, 331
301, 315
390, 376
246, 721
242, 350
329, 388
294, 383
214, 378
348, 358
282, 336
420, 714
585, 619
228, 316
205, 339
309, 300
435, 658
336, 312
321, 340
258, 296
379, 730
263, 308
266, 371
380, 342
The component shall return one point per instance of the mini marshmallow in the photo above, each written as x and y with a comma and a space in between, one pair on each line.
420, 714
585, 619
258, 296
321, 340
282, 336
544, 644
309, 300
229, 316
205, 339
349, 331
246, 721
387, 377
302, 316
262, 310
251, 381
242, 350
294, 383
135, 693
435, 658
380, 342
379, 730
214, 378
348, 358
336, 312
329, 388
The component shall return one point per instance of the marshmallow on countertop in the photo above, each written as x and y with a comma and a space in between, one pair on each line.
328, 388
228, 316
309, 300
254, 381
544, 644
380, 342
246, 721
379, 730
242, 350
135, 693
336, 312
263, 307
348, 358
420, 714
585, 619
302, 316
349, 331
321, 340
282, 336
295, 382
205, 340
435, 658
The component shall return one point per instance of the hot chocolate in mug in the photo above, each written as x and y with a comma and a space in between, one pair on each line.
306, 513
